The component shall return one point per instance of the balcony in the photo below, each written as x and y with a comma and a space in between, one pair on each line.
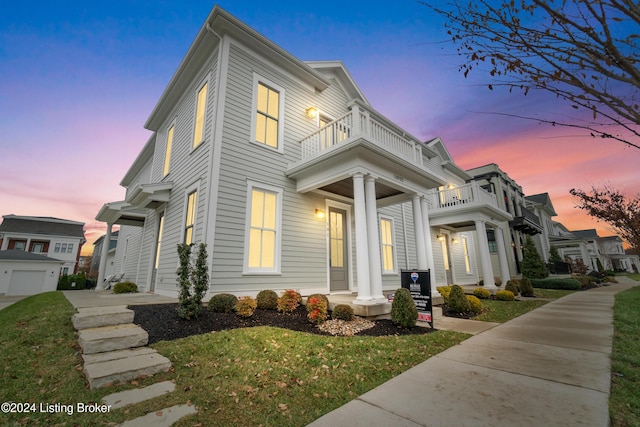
363, 138
528, 223
460, 206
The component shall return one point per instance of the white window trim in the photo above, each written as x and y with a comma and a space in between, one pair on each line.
196, 144
276, 270
393, 245
254, 102
167, 165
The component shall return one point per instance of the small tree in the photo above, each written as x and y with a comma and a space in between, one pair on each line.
192, 280
532, 264
554, 259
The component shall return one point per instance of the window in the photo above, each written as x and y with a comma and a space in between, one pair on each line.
64, 248
267, 123
465, 250
190, 218
262, 248
198, 132
386, 241
158, 241
167, 154
70, 248
57, 247
491, 238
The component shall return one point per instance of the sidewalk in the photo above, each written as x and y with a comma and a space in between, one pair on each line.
549, 367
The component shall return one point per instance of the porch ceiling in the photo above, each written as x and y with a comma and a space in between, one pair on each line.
344, 188
121, 213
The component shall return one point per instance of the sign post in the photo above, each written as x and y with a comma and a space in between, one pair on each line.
418, 282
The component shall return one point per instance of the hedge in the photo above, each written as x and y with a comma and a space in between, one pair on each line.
569, 284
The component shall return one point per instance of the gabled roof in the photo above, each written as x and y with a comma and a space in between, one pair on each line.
42, 225
337, 70
544, 200
145, 156
437, 146
586, 234
218, 24
15, 255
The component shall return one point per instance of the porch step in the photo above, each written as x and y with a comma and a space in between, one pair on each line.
110, 338
95, 317
131, 397
123, 365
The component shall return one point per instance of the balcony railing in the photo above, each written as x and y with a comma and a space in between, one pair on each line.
361, 123
466, 195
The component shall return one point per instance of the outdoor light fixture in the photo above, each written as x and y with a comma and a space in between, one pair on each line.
440, 237
319, 213
454, 240
312, 112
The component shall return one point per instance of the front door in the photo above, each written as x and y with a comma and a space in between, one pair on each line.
338, 250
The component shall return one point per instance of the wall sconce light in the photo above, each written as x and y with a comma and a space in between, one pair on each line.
319, 214
440, 237
312, 112
454, 240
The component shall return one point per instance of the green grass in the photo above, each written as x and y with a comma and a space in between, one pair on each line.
635, 277
551, 293
624, 403
254, 376
503, 311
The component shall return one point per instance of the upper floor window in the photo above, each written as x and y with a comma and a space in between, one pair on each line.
268, 114
190, 218
167, 153
198, 132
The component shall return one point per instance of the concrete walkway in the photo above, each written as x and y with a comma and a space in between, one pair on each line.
549, 367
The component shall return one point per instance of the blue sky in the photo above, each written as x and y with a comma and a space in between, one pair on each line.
79, 79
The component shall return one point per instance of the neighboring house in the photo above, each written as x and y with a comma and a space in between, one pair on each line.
55, 238
27, 273
293, 180
608, 250
541, 206
510, 198
97, 255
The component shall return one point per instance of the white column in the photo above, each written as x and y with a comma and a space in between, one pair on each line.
103, 258
428, 245
362, 249
373, 239
502, 255
485, 255
418, 228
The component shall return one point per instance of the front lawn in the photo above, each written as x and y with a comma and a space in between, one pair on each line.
503, 311
253, 376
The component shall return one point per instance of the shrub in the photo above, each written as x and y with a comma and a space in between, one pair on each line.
289, 301
526, 289
403, 309
482, 293
497, 281
513, 287
444, 291
317, 309
505, 296
222, 303
125, 288
72, 282
475, 306
321, 296
193, 280
267, 300
245, 306
569, 284
342, 312
532, 264
458, 302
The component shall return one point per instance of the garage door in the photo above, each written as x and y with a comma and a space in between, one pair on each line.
26, 282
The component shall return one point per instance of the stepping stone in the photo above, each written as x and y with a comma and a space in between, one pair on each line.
130, 397
123, 365
162, 418
110, 338
95, 317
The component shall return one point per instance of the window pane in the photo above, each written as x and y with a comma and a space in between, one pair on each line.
271, 138
263, 94
70, 248
261, 128
188, 236
255, 243
274, 99
268, 249
257, 208
269, 211
388, 258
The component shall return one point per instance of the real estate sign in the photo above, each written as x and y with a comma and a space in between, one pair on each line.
419, 284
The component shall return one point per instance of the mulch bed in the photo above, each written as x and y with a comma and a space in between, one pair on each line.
162, 323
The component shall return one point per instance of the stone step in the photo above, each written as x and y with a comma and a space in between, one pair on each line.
130, 397
162, 418
110, 338
123, 365
96, 317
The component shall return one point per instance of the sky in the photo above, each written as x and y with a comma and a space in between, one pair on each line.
78, 81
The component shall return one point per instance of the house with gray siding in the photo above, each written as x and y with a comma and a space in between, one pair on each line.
293, 180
